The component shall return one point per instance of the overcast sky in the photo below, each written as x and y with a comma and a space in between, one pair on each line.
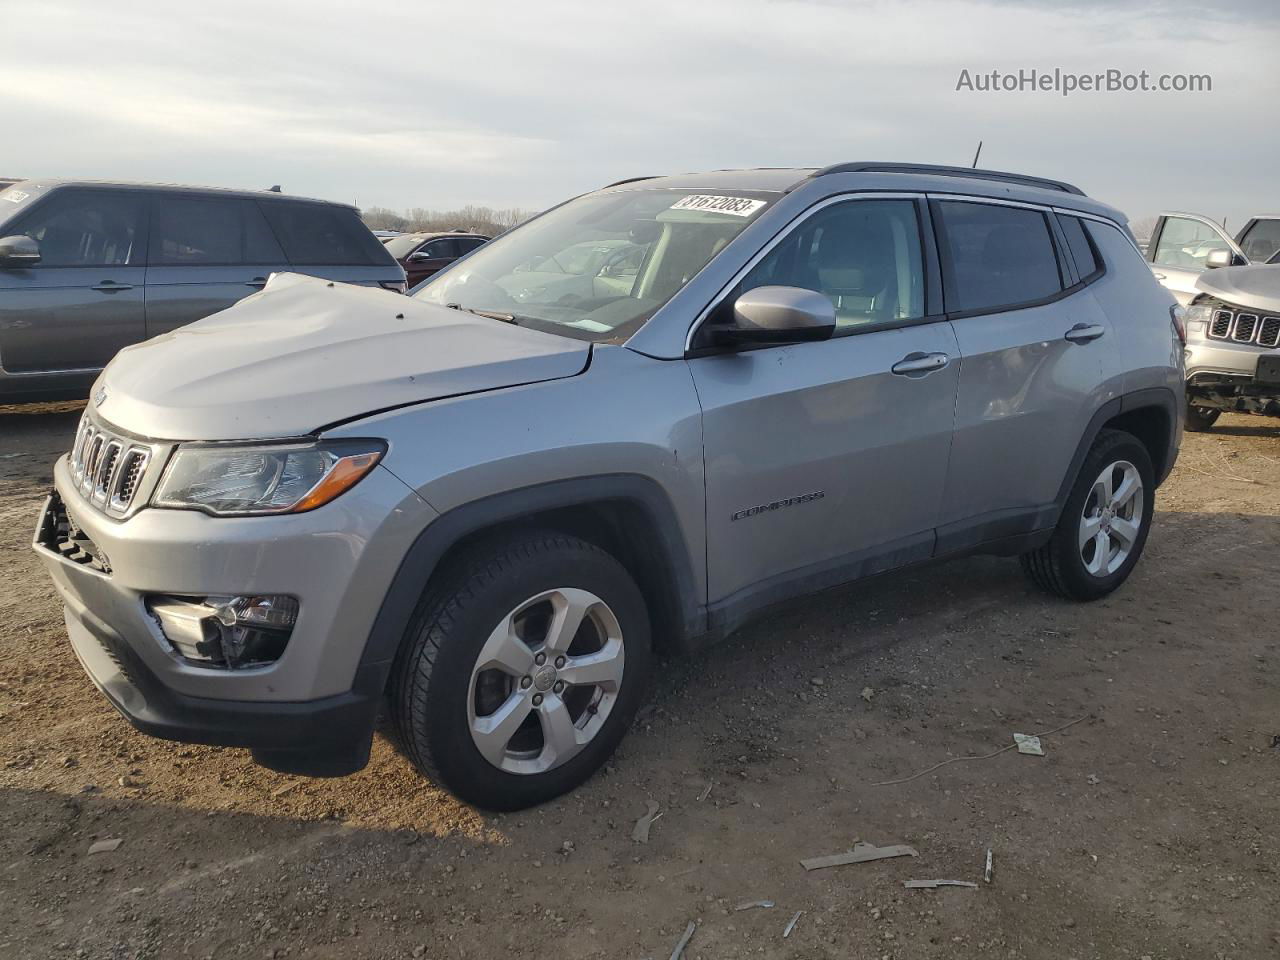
438, 104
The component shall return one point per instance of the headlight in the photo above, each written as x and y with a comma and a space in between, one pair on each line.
1199, 313
259, 479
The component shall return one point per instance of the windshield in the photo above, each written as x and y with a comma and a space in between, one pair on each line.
599, 266
404, 245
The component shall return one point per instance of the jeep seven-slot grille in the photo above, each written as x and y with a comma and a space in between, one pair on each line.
1244, 326
106, 468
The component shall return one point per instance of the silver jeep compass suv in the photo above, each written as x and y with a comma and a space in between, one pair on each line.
626, 426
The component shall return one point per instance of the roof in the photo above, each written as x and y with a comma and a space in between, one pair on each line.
52, 182
870, 175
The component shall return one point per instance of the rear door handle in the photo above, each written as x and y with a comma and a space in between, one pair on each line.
920, 364
110, 286
1085, 332
1159, 276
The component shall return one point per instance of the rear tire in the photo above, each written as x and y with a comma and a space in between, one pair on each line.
1201, 419
496, 694
1104, 523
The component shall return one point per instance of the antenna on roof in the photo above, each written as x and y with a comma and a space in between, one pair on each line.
274, 188
977, 154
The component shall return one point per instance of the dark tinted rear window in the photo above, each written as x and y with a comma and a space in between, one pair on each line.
314, 234
996, 256
1081, 250
210, 231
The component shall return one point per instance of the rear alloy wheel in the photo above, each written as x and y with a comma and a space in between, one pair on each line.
1200, 419
521, 672
1104, 523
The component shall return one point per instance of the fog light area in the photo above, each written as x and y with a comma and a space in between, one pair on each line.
226, 632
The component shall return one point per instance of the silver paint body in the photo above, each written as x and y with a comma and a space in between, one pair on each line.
1255, 288
473, 408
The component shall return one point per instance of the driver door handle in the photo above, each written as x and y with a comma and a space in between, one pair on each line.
920, 363
110, 286
1085, 332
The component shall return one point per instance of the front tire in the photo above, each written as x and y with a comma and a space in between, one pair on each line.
1104, 523
521, 671
1201, 419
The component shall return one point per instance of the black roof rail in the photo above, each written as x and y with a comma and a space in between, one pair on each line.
619, 183
943, 171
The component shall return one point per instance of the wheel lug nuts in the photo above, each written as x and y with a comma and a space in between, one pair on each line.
526, 682
559, 686
560, 661
537, 699
540, 659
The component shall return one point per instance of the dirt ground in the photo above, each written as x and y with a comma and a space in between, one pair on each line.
1149, 830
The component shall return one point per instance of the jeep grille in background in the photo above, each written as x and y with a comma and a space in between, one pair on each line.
107, 469
1240, 326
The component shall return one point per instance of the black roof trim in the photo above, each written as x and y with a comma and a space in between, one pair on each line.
943, 171
619, 183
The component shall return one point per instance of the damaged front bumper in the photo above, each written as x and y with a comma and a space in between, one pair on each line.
312, 710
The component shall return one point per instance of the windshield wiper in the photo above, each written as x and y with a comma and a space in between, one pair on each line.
489, 314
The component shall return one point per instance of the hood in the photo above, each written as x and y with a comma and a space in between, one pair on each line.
1256, 287
304, 353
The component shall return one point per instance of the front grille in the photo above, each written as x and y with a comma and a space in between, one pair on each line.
108, 468
1221, 325
59, 533
1242, 326
1246, 327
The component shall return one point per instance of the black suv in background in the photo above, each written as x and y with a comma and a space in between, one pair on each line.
87, 268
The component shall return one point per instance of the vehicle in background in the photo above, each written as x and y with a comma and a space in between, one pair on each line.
1233, 340
423, 254
487, 505
594, 268
1182, 243
87, 268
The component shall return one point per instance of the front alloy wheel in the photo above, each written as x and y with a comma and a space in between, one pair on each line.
521, 669
546, 681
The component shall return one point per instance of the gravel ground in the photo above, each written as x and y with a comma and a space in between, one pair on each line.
1148, 830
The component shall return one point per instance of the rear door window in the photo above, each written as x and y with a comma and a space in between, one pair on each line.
1081, 249
86, 228
995, 257
317, 234
210, 231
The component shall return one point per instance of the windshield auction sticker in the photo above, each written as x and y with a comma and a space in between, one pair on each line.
14, 196
735, 206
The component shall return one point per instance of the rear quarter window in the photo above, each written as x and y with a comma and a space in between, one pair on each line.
995, 257
1087, 264
316, 234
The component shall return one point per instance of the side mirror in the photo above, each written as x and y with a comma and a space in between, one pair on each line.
19, 251
780, 315
420, 256
1216, 258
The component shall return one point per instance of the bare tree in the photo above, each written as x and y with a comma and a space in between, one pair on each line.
472, 219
